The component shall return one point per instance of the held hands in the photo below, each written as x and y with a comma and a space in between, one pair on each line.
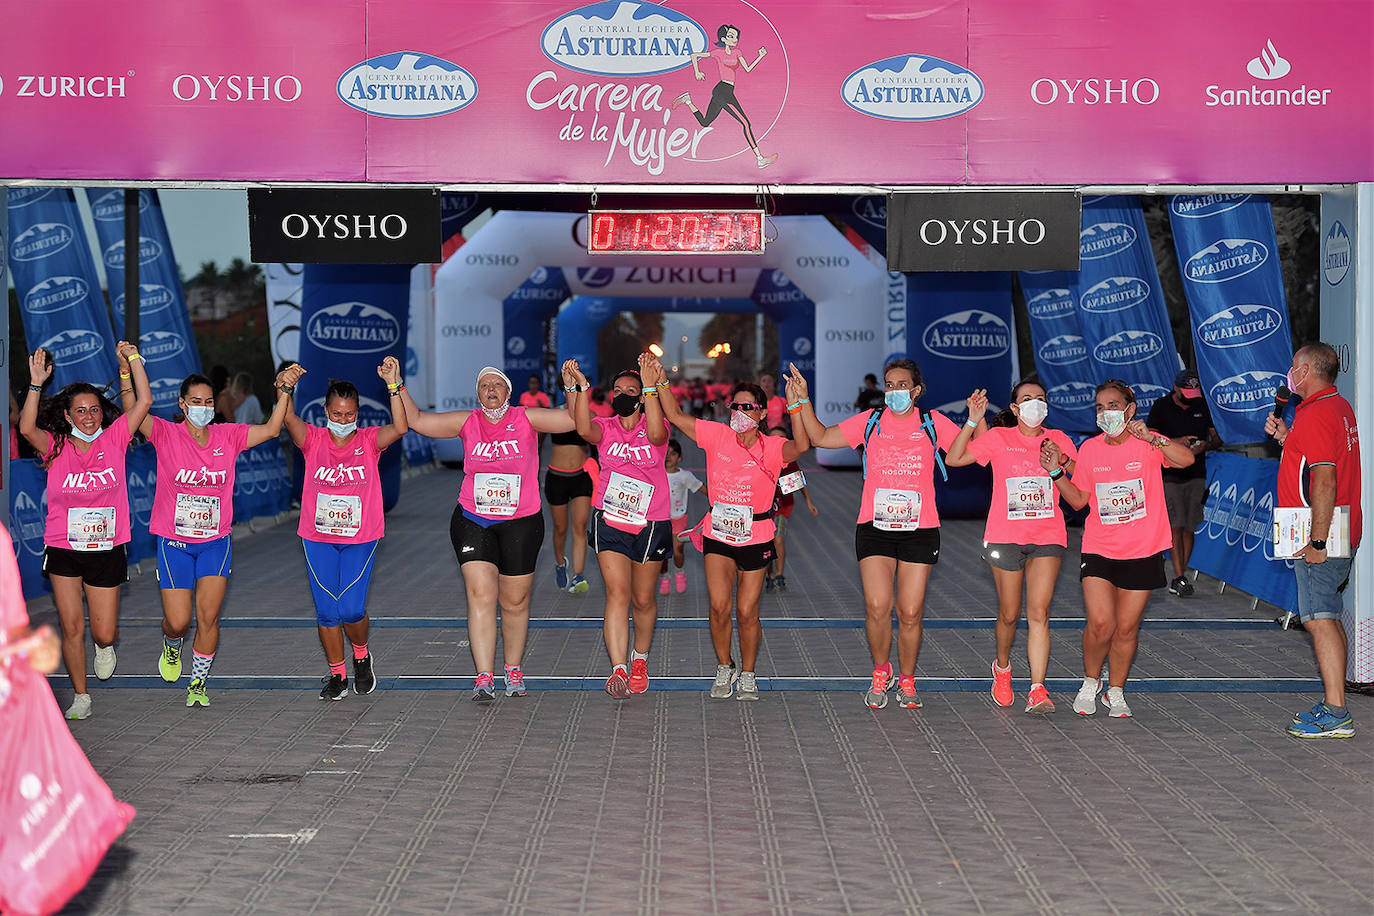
390, 371
977, 404
125, 351
1274, 426
1051, 456
650, 369
572, 375
40, 367
796, 384
288, 377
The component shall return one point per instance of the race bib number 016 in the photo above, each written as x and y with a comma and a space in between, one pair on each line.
197, 516
732, 524
896, 510
1029, 497
91, 528
1120, 501
627, 500
339, 515
496, 494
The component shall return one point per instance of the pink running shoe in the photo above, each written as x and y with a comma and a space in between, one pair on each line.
618, 684
1001, 685
663, 585
906, 693
1039, 700
680, 582
639, 675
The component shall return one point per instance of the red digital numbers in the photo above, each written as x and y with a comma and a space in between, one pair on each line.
675, 232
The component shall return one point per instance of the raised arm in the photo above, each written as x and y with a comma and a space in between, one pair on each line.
445, 425
651, 368
126, 394
390, 372
958, 454
579, 404
136, 415
40, 370
800, 443
671, 411
285, 385
818, 435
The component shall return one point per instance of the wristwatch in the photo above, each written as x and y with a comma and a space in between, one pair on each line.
1318, 544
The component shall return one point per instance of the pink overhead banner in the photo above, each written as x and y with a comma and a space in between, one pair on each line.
696, 91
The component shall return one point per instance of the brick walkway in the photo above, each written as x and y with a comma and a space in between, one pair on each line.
415, 800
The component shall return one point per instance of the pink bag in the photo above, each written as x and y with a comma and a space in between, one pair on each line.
57, 817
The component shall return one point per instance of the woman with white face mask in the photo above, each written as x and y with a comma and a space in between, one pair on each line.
193, 512
83, 441
498, 526
742, 468
1024, 540
897, 536
1117, 476
342, 520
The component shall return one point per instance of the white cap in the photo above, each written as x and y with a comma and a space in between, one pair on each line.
492, 370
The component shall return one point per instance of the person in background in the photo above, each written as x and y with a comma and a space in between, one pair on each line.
224, 397
790, 483
681, 484
1182, 415
777, 405
247, 407
534, 396
870, 395
597, 403
1320, 471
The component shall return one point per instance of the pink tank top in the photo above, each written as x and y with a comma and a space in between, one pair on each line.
342, 499
194, 500
628, 463
88, 495
500, 466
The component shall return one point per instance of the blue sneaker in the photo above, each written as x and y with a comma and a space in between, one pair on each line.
560, 577
579, 585
1321, 722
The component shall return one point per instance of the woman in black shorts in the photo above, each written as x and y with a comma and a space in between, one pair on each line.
568, 489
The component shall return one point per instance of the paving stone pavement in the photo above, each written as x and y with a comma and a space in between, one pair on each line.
415, 800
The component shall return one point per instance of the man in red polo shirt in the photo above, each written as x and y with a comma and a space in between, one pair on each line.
1320, 470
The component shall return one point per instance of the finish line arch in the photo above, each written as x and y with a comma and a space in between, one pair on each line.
470, 288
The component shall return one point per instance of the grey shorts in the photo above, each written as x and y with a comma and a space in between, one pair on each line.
1320, 587
1183, 499
1013, 557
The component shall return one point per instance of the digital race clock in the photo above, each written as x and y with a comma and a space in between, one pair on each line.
675, 232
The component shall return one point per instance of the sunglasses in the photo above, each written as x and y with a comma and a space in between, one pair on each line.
737, 405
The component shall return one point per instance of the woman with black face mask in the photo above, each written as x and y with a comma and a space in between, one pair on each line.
630, 530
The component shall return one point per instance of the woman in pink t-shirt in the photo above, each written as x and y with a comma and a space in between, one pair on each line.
193, 512
898, 530
498, 526
630, 530
742, 468
1118, 478
341, 520
728, 62
83, 440
1024, 540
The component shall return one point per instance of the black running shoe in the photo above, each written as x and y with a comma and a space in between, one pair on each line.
780, 582
364, 681
335, 688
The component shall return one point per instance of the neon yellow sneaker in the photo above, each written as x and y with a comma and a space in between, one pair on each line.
169, 665
195, 694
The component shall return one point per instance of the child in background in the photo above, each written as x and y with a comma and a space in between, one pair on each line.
775, 579
681, 484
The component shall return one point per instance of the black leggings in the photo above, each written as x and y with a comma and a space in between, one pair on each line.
723, 99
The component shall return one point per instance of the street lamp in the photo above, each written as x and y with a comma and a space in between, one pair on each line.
655, 349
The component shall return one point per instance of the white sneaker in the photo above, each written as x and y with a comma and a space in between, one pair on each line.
1115, 701
1085, 704
104, 662
724, 685
80, 708
748, 687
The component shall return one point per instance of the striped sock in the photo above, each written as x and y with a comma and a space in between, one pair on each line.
359, 652
337, 669
200, 665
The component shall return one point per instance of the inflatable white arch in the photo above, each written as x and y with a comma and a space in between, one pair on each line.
849, 293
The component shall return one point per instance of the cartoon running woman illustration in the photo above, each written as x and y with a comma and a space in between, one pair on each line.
728, 59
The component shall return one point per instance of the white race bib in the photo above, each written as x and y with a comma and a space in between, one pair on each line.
1120, 501
627, 500
896, 510
732, 524
197, 516
91, 528
1030, 497
496, 494
791, 483
340, 515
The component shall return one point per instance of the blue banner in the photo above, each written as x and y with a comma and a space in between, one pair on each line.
1061, 356
59, 292
524, 313
1234, 542
262, 485
960, 331
351, 318
1121, 307
164, 324
28, 517
1229, 259
795, 315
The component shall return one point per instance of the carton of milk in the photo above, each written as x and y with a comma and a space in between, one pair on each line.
1293, 529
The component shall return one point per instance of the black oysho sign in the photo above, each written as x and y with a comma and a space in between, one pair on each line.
983, 230
328, 226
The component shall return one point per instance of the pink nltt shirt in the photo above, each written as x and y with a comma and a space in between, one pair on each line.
900, 457
739, 476
630, 453
88, 495
509, 450
1025, 504
342, 499
1127, 518
194, 500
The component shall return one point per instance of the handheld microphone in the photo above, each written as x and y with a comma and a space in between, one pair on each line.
1281, 397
